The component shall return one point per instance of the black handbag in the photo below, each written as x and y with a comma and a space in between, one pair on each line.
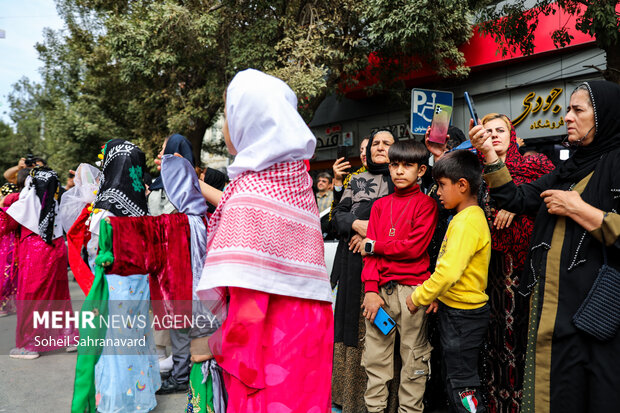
599, 314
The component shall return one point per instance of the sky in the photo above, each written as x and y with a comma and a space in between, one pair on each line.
23, 22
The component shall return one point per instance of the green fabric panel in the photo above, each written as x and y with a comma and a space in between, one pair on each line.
200, 395
88, 354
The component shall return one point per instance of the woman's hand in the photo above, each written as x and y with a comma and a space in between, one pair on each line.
158, 160
563, 203
372, 303
360, 226
340, 168
570, 204
436, 149
481, 140
355, 244
503, 219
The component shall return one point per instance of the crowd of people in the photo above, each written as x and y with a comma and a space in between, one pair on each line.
466, 278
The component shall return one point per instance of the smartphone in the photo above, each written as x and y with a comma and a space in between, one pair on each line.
384, 322
472, 108
440, 123
343, 152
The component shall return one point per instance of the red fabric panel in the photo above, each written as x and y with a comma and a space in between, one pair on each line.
159, 246
77, 237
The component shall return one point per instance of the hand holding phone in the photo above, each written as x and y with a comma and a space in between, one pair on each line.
440, 123
384, 322
343, 152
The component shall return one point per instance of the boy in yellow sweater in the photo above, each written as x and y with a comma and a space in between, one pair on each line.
459, 280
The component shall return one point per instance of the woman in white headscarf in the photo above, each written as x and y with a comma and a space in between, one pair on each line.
265, 255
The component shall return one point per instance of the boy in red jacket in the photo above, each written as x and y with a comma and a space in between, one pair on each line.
396, 261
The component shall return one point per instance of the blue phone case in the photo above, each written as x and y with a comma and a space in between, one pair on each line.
472, 109
384, 322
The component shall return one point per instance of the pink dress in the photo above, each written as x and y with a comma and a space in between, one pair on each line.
8, 270
43, 286
276, 353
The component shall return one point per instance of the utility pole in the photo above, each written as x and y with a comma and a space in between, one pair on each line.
2, 34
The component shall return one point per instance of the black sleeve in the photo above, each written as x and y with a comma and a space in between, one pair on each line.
342, 217
522, 199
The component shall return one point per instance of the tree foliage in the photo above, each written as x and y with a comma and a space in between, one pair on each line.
514, 24
143, 69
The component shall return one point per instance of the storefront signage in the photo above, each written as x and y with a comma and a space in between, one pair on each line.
534, 104
400, 130
331, 138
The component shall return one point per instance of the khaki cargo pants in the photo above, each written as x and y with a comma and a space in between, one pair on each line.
415, 352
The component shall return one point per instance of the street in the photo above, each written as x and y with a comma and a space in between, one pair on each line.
46, 384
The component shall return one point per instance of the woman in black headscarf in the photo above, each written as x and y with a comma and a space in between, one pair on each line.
42, 266
576, 207
350, 220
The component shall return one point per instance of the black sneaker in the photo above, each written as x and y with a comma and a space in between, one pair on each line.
170, 385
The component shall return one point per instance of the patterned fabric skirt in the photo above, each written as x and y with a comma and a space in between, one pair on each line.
503, 355
276, 353
8, 273
42, 287
126, 378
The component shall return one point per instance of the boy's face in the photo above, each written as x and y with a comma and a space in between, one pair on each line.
451, 194
405, 174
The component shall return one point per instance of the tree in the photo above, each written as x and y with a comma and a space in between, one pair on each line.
11, 148
515, 22
143, 69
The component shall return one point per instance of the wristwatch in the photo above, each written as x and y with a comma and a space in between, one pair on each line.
369, 247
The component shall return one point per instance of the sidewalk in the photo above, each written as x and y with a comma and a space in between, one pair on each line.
46, 384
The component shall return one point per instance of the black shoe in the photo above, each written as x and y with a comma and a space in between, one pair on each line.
164, 375
170, 385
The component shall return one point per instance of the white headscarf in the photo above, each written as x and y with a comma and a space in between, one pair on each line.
75, 199
265, 127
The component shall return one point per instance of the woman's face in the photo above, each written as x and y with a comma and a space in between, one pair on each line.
363, 146
226, 133
380, 146
500, 135
580, 119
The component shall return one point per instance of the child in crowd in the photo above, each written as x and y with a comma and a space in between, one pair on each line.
396, 261
460, 280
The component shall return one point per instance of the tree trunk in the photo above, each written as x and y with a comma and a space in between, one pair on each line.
195, 137
612, 73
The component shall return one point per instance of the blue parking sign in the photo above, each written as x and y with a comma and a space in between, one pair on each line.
423, 103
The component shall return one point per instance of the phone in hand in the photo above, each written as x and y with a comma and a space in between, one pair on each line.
384, 322
472, 108
440, 123
343, 152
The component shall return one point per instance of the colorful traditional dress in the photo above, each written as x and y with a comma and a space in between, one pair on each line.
8, 269
265, 255
43, 285
125, 377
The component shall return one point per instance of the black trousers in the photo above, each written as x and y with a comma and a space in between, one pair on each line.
462, 333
